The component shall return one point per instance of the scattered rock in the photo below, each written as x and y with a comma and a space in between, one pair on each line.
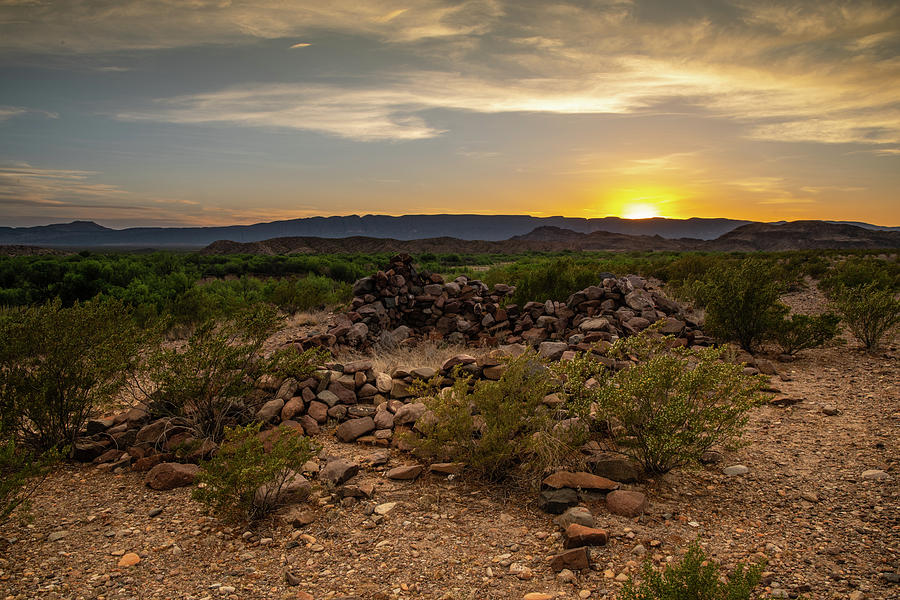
338, 471
575, 559
129, 560
576, 514
626, 503
168, 475
580, 480
735, 470
405, 472
875, 475
579, 535
557, 501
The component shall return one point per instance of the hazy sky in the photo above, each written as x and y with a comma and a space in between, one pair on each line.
181, 112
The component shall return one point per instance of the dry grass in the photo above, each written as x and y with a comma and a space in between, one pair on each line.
423, 354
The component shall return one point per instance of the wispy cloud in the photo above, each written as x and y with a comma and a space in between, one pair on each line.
11, 112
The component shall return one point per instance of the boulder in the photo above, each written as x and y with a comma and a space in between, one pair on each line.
627, 503
348, 431
408, 414
169, 475
338, 471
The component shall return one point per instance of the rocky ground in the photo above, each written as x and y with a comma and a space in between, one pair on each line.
827, 530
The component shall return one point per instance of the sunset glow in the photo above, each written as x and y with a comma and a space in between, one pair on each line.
148, 112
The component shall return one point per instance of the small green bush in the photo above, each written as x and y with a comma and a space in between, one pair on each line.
243, 481
206, 382
800, 332
695, 577
291, 362
502, 429
741, 302
59, 365
859, 271
674, 404
870, 312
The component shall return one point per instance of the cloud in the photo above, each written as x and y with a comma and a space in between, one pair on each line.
301, 45
11, 112
47, 27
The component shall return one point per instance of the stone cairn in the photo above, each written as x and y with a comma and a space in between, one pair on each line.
399, 306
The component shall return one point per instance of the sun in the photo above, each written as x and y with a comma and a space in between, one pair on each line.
640, 210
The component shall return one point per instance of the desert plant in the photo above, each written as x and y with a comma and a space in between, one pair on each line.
243, 481
673, 404
800, 332
58, 365
502, 429
870, 312
695, 577
206, 382
741, 301
292, 362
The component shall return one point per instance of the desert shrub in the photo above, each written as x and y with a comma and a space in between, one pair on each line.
674, 403
555, 280
741, 301
502, 429
871, 313
313, 291
58, 365
243, 481
206, 382
859, 271
696, 576
292, 362
800, 332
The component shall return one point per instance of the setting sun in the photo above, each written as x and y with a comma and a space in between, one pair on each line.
640, 210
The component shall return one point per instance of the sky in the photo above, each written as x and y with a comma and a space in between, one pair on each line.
216, 112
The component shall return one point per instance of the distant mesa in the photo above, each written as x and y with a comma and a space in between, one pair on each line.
463, 233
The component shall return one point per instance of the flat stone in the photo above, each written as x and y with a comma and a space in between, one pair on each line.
575, 559
338, 471
626, 503
458, 360
579, 480
405, 472
579, 535
875, 475
734, 470
552, 350
56, 536
452, 468
615, 468
595, 324
354, 428
383, 509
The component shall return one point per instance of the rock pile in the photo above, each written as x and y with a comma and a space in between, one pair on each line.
400, 303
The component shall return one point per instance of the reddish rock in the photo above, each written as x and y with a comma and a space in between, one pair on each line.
338, 471
129, 560
453, 468
292, 408
405, 472
579, 535
310, 426
626, 503
318, 411
575, 559
148, 462
354, 428
167, 476
579, 480
459, 359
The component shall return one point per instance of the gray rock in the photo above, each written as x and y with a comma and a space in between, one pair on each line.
348, 431
338, 471
270, 410
578, 515
557, 501
734, 470
875, 475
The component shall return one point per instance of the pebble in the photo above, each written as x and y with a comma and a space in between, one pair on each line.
129, 560
155, 512
566, 576
734, 470
57, 535
383, 509
875, 475
831, 411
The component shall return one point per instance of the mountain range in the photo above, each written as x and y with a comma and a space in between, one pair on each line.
407, 227
796, 235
